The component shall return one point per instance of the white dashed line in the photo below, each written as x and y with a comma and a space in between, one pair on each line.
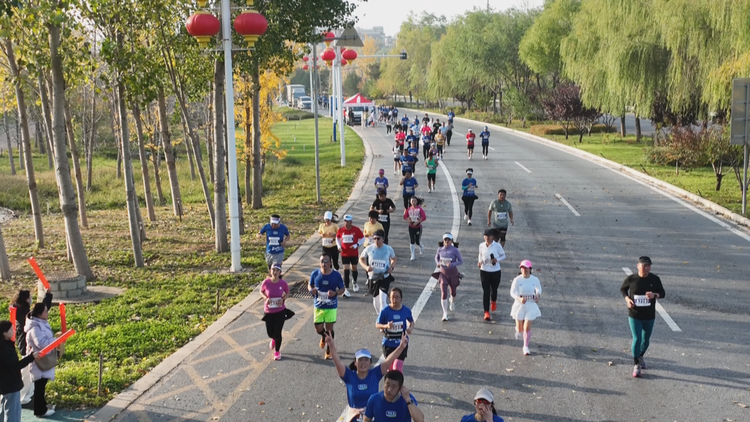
660, 309
567, 204
522, 166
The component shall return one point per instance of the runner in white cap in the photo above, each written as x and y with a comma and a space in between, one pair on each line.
448, 258
526, 291
276, 237
360, 378
484, 404
327, 232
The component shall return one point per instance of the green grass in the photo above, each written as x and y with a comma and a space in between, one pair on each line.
171, 300
294, 114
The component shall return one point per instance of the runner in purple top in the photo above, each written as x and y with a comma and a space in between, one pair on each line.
448, 258
275, 291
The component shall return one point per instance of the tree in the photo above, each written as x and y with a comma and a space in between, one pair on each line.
220, 187
564, 105
4, 264
351, 84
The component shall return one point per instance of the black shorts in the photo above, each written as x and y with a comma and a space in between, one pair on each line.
499, 234
431, 177
388, 350
349, 260
397, 159
470, 146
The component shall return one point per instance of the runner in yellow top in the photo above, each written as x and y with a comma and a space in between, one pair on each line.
371, 227
327, 232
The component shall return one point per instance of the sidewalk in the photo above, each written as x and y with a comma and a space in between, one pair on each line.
209, 374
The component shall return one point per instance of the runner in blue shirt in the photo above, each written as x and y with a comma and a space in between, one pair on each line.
395, 321
451, 116
414, 152
404, 123
407, 163
394, 404
410, 188
484, 404
411, 137
381, 182
276, 237
361, 380
325, 285
469, 186
485, 136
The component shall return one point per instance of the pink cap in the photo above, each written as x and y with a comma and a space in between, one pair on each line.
525, 263
381, 171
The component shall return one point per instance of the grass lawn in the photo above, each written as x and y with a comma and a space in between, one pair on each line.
172, 299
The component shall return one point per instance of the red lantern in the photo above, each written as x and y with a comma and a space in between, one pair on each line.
251, 25
305, 59
349, 55
203, 25
328, 55
328, 38
344, 62
305, 68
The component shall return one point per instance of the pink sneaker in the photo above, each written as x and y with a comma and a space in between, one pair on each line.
272, 344
276, 356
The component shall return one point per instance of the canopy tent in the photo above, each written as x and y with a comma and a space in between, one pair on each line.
358, 100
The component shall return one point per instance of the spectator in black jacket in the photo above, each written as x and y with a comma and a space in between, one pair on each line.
10, 375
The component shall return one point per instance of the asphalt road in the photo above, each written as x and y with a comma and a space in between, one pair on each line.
580, 365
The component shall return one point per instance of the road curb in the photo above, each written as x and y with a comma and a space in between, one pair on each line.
124, 399
672, 189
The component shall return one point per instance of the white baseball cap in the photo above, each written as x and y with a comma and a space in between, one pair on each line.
348, 218
328, 215
362, 353
485, 394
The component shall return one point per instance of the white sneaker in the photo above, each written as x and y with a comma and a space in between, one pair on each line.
526, 351
412, 256
445, 317
453, 305
468, 223
466, 217
519, 336
355, 287
346, 293
50, 412
485, 157
421, 248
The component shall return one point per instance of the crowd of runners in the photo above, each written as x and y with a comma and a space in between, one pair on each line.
368, 248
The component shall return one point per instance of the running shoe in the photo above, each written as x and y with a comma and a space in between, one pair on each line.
328, 355
421, 248
445, 317
355, 287
276, 355
526, 351
272, 344
346, 293
322, 343
636, 371
519, 336
49, 413
642, 362
466, 217
453, 305
485, 157
487, 316
469, 222
493, 306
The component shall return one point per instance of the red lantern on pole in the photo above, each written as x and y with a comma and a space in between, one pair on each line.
344, 62
305, 68
203, 25
349, 55
328, 38
305, 59
328, 56
251, 25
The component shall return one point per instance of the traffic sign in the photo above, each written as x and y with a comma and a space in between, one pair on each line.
740, 123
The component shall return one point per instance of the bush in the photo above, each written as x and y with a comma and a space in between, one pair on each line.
547, 129
482, 116
294, 114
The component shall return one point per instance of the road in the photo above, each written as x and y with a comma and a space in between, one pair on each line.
580, 366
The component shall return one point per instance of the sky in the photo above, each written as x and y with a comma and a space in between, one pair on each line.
390, 13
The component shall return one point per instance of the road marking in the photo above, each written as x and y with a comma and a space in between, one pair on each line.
566, 203
663, 312
492, 148
521, 165
419, 305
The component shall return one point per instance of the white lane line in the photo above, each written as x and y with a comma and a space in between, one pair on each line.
521, 165
660, 309
492, 148
567, 204
419, 305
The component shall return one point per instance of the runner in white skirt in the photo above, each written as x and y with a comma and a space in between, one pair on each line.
526, 291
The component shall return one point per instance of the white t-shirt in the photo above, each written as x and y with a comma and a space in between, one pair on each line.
485, 257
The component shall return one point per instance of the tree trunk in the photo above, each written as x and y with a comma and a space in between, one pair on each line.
638, 132
46, 112
719, 177
144, 163
168, 154
135, 233
23, 120
194, 144
209, 140
155, 155
10, 146
62, 170
4, 264
188, 150
623, 132
257, 175
248, 126
38, 140
89, 146
19, 144
116, 135
76, 168
220, 186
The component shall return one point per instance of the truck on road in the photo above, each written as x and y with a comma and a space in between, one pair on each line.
293, 92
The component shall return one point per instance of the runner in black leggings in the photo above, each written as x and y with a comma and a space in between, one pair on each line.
469, 185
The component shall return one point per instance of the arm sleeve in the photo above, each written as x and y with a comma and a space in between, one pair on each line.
48, 300
625, 287
500, 252
538, 286
437, 258
459, 259
370, 409
660, 289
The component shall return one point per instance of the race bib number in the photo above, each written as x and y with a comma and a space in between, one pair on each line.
383, 218
398, 327
446, 262
380, 185
379, 264
275, 302
327, 242
501, 215
528, 297
470, 189
273, 241
409, 189
641, 300
348, 238
323, 300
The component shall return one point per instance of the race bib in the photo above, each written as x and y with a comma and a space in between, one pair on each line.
501, 215
379, 264
383, 218
446, 262
273, 241
380, 185
323, 300
398, 327
327, 242
409, 189
348, 238
470, 189
528, 297
275, 302
641, 300
370, 240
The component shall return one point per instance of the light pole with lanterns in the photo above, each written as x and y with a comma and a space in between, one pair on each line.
251, 25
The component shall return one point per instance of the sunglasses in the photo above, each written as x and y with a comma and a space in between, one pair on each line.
481, 401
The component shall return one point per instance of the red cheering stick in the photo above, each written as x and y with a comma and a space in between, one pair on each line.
12, 310
39, 272
63, 321
60, 340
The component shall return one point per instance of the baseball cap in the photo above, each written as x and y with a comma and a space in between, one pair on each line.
275, 220
525, 263
469, 130
276, 266
448, 236
485, 394
328, 215
348, 218
362, 353
489, 232
469, 171
485, 128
